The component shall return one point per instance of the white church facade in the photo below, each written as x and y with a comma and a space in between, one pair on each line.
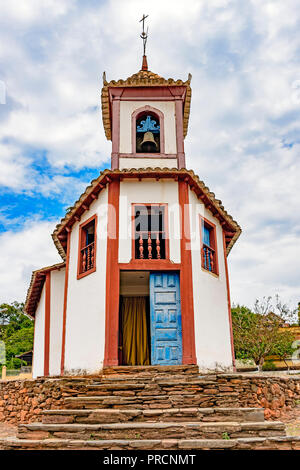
143, 278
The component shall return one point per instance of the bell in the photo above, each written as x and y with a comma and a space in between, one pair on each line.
148, 142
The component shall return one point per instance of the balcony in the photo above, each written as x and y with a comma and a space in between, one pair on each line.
87, 257
208, 258
150, 245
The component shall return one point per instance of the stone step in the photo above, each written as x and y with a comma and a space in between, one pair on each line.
151, 378
97, 416
256, 443
170, 430
158, 383
148, 401
151, 370
142, 389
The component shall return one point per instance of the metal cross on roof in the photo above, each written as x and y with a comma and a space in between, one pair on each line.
144, 34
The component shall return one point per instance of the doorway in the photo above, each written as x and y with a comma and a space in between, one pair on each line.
134, 319
150, 318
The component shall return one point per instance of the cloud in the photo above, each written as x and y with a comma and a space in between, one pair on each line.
15, 171
243, 138
21, 252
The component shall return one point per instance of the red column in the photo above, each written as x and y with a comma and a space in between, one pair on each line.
47, 323
179, 132
63, 343
186, 279
229, 302
112, 277
115, 132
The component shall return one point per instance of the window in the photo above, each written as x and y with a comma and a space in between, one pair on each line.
147, 133
150, 234
209, 246
87, 247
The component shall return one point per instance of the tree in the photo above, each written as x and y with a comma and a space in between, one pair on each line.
16, 331
12, 318
259, 333
19, 342
267, 305
284, 346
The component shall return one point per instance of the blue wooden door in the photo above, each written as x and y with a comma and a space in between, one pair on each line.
165, 314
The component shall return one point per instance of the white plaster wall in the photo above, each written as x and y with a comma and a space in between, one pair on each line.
147, 162
145, 192
39, 337
85, 321
212, 329
56, 319
166, 107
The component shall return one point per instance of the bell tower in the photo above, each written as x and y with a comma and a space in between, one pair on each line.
146, 118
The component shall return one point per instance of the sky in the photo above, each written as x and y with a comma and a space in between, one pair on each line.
243, 139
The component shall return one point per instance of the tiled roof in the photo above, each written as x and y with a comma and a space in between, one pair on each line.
143, 78
97, 185
35, 287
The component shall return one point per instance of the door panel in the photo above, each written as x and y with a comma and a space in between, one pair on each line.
166, 337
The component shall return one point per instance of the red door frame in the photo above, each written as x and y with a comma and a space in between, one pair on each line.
113, 268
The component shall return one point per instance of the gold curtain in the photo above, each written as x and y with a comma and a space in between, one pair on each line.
135, 338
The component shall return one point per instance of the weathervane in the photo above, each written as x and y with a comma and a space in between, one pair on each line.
144, 34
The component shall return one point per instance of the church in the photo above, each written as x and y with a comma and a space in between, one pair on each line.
143, 278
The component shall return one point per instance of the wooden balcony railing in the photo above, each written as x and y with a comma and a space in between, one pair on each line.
208, 258
87, 257
150, 245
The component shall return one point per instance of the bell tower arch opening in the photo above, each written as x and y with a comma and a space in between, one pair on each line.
147, 133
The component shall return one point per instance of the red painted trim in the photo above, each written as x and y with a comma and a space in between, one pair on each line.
47, 323
214, 245
149, 155
229, 303
166, 224
146, 93
179, 132
34, 333
150, 265
135, 116
112, 277
80, 246
147, 98
186, 278
63, 344
115, 132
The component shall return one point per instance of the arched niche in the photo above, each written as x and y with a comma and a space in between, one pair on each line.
147, 119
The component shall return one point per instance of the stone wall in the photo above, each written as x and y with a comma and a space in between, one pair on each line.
276, 394
23, 400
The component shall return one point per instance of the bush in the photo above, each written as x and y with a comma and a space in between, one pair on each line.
14, 363
269, 365
258, 334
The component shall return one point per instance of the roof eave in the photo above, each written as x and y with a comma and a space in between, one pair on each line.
135, 82
97, 185
35, 288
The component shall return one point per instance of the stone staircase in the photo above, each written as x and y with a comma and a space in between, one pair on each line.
150, 408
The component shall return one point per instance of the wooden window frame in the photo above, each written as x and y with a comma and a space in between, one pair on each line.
166, 225
213, 244
80, 275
